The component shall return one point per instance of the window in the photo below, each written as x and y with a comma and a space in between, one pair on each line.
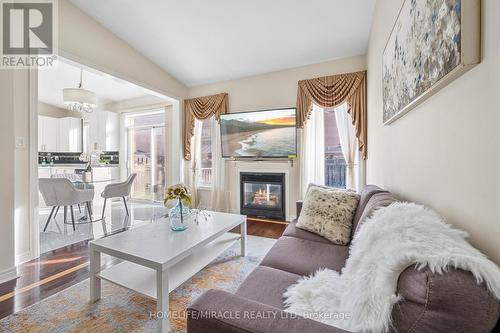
146, 154
335, 165
204, 163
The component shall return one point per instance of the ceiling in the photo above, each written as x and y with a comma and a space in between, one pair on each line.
51, 83
200, 41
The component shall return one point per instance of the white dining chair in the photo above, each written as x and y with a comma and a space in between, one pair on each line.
71, 176
57, 192
117, 190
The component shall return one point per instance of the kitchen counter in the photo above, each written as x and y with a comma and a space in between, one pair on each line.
77, 165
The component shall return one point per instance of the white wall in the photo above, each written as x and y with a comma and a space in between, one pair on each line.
267, 91
444, 153
276, 89
6, 174
22, 167
83, 40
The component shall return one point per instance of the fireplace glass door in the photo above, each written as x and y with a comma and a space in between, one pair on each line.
262, 196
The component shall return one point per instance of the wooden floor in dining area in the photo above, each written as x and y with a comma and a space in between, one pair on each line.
62, 268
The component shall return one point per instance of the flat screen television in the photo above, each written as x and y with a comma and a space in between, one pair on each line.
259, 134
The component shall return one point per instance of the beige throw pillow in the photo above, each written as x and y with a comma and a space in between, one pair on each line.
329, 212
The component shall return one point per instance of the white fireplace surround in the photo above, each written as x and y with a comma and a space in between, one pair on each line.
262, 167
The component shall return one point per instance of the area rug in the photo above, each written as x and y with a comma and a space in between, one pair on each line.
121, 310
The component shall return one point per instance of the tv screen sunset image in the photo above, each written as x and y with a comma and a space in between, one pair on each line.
259, 134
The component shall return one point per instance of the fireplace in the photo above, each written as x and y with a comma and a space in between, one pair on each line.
262, 194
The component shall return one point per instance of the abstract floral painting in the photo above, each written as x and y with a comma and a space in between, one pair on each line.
424, 46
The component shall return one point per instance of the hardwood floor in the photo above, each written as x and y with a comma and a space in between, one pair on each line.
62, 268
45, 276
264, 228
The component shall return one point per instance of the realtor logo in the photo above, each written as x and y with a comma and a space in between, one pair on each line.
28, 33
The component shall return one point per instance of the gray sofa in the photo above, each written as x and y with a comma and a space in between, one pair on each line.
452, 302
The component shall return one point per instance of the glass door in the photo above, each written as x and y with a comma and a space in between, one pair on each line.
159, 163
146, 155
139, 155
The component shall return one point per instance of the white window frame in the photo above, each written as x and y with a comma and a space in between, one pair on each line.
200, 185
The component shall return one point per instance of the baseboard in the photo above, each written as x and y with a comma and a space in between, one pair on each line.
23, 257
8, 274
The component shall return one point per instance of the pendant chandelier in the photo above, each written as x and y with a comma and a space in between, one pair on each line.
79, 99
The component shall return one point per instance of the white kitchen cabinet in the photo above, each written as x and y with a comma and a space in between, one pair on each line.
40, 134
43, 172
115, 174
47, 133
103, 131
61, 170
101, 173
69, 135
112, 131
59, 134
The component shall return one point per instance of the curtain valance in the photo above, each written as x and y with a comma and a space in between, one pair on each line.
201, 108
332, 91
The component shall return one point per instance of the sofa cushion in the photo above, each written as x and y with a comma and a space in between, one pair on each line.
217, 311
304, 257
328, 212
292, 231
365, 195
448, 302
377, 200
267, 285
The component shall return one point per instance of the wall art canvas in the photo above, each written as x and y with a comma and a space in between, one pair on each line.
426, 49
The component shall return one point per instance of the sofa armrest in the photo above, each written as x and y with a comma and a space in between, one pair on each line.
298, 206
218, 311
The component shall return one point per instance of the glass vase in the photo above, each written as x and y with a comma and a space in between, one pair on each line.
179, 216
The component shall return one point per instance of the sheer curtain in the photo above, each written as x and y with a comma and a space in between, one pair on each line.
194, 162
220, 196
312, 150
348, 143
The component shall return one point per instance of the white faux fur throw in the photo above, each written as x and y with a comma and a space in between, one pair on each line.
394, 238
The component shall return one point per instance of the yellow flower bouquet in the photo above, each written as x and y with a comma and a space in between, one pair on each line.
180, 193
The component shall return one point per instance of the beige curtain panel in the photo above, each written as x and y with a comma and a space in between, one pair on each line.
201, 108
332, 91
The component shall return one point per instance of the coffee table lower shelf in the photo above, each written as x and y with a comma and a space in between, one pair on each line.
142, 279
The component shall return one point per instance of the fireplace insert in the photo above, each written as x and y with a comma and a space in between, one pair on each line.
262, 195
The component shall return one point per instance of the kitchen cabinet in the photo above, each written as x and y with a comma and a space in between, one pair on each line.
69, 135
59, 134
115, 174
44, 172
103, 131
47, 133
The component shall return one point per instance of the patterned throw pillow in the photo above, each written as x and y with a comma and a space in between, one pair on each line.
329, 212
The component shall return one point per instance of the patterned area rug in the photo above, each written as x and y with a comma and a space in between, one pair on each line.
121, 310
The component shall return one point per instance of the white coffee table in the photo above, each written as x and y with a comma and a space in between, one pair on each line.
157, 260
